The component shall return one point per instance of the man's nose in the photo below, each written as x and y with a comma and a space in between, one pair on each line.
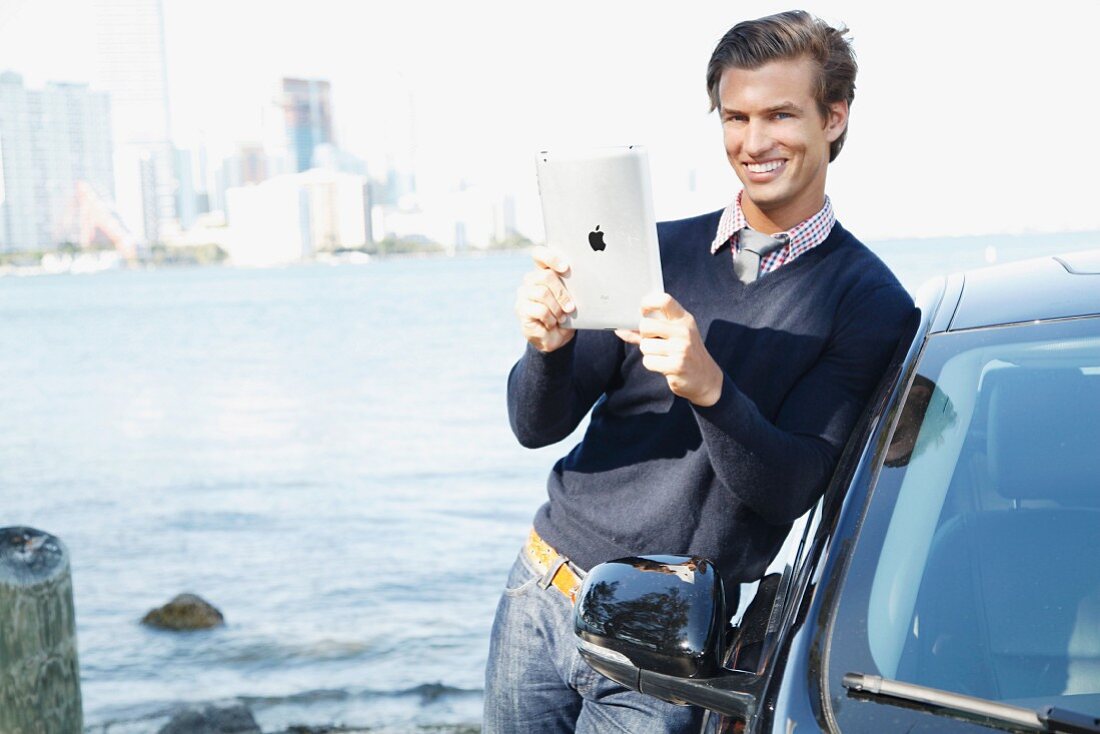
758, 140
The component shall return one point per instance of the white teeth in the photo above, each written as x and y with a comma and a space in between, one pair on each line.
764, 167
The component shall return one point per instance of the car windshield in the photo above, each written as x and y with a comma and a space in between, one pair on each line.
977, 568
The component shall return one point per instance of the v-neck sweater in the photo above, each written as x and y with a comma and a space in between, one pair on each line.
801, 348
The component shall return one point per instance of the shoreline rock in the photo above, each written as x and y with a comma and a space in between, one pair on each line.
185, 612
237, 718
211, 719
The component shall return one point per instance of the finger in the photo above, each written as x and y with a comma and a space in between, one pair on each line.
657, 328
664, 304
542, 293
561, 294
529, 295
628, 336
550, 259
532, 311
654, 347
538, 276
554, 287
659, 364
551, 291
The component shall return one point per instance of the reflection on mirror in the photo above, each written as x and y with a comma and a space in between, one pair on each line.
663, 613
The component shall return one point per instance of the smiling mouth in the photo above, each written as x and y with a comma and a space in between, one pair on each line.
765, 167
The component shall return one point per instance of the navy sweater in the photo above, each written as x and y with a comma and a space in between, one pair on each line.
802, 348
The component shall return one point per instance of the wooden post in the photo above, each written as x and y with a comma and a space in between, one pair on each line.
39, 676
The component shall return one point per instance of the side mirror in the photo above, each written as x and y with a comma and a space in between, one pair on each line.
657, 624
660, 613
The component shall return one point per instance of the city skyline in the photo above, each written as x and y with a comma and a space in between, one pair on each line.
948, 98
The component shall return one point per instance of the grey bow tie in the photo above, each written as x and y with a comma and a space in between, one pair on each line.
753, 247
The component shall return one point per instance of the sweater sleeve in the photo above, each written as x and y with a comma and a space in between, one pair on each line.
780, 469
549, 393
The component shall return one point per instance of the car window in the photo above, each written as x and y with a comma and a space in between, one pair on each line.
785, 558
758, 618
976, 570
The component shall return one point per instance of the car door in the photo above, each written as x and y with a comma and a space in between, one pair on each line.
975, 572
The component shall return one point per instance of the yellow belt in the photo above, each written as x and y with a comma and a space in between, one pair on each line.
544, 558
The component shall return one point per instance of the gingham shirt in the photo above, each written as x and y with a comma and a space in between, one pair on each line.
802, 237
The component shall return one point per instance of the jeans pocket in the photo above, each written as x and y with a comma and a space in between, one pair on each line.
522, 576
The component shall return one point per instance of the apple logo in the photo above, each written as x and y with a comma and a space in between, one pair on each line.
595, 239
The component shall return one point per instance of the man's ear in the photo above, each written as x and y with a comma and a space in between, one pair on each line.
837, 120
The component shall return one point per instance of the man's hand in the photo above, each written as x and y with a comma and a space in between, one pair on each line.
542, 302
672, 346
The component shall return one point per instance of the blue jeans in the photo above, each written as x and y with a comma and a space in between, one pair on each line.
537, 682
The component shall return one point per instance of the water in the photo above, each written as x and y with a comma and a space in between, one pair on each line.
916, 260
321, 452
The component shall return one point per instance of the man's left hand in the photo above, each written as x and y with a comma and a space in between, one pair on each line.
672, 346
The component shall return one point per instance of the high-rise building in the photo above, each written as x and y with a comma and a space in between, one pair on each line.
55, 143
253, 164
133, 69
401, 160
17, 212
186, 192
307, 113
250, 164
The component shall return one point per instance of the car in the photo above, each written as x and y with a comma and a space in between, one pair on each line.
949, 578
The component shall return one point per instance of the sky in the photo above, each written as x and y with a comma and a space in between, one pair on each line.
969, 118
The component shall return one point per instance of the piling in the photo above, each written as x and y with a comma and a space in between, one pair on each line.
39, 674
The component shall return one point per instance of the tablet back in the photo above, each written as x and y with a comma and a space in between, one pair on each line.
598, 210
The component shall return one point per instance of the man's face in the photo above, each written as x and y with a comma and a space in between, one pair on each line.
777, 139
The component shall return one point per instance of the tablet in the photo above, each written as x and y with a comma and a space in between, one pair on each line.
598, 210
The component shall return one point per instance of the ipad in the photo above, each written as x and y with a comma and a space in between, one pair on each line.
598, 209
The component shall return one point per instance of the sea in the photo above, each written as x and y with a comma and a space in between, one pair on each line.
320, 451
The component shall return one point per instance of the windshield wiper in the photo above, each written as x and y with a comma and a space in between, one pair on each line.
1047, 719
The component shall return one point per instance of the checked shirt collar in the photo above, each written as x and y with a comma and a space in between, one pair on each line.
803, 236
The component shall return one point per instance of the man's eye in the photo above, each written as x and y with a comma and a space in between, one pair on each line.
782, 115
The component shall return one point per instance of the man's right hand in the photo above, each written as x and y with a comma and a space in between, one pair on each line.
542, 302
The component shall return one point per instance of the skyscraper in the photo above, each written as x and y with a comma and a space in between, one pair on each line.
307, 112
132, 68
51, 141
17, 210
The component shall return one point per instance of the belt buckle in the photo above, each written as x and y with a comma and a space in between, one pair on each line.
568, 584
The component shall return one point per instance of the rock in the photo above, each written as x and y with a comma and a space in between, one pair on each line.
185, 612
234, 719
307, 729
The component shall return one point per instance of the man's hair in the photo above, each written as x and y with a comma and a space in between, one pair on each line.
790, 35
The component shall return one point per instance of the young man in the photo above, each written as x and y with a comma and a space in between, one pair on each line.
720, 419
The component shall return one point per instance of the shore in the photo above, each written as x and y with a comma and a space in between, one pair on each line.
235, 717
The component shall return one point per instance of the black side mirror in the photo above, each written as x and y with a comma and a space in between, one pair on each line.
657, 624
661, 613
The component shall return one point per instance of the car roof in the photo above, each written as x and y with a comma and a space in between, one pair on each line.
1056, 287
